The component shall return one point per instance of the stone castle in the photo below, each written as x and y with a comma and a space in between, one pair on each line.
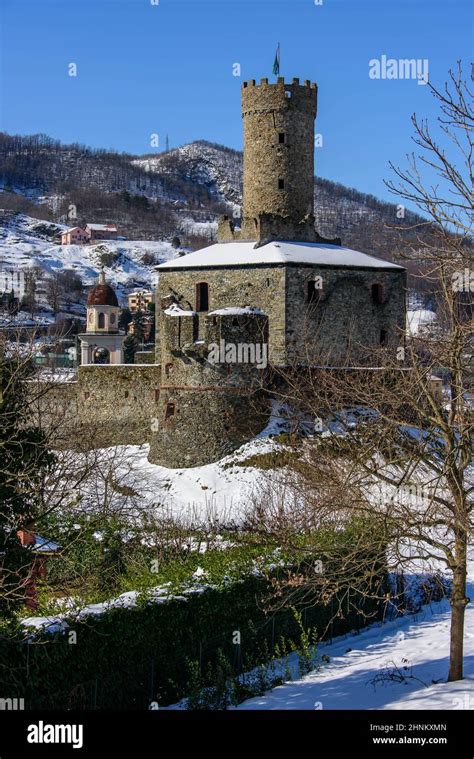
270, 294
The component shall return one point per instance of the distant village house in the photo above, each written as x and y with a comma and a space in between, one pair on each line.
140, 300
74, 236
91, 233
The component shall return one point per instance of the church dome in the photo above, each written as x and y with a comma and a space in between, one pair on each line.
102, 294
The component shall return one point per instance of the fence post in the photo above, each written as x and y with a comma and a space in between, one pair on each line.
152, 684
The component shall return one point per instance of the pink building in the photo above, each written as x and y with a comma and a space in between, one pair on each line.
74, 236
92, 232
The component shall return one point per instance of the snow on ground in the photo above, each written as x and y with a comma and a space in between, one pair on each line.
204, 229
419, 319
420, 643
221, 491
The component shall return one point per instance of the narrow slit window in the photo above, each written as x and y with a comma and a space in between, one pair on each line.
377, 293
383, 337
281, 184
281, 138
202, 296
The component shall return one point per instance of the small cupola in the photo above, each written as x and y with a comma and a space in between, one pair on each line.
102, 307
102, 342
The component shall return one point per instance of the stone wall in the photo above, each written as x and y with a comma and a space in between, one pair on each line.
118, 403
54, 407
262, 287
206, 424
344, 317
210, 401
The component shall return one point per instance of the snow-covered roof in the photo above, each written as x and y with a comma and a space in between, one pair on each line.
175, 310
71, 229
277, 252
236, 311
102, 227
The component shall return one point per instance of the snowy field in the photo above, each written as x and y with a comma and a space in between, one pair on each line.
420, 644
408, 657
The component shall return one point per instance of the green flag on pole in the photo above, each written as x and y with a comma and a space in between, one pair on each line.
276, 62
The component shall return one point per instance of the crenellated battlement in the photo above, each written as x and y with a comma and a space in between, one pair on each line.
279, 95
295, 82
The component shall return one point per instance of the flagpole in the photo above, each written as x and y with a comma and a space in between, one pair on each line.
276, 62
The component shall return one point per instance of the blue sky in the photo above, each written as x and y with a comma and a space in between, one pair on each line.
167, 68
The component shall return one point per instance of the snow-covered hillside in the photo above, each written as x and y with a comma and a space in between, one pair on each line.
26, 243
200, 181
213, 166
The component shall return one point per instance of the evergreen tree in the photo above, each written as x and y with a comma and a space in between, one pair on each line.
24, 458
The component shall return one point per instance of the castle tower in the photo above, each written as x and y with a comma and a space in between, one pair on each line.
278, 121
102, 343
211, 398
278, 124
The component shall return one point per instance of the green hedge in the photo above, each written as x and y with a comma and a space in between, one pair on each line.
126, 658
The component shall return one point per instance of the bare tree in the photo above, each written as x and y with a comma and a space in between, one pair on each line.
396, 449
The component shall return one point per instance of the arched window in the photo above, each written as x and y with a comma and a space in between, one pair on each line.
377, 293
101, 356
202, 296
170, 411
101, 320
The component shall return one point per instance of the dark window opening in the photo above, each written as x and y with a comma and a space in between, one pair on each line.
202, 296
377, 293
383, 337
170, 411
157, 395
86, 396
101, 356
235, 322
168, 369
281, 184
281, 138
313, 293
126, 394
101, 321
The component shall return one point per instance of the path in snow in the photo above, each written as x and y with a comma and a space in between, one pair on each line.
344, 683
